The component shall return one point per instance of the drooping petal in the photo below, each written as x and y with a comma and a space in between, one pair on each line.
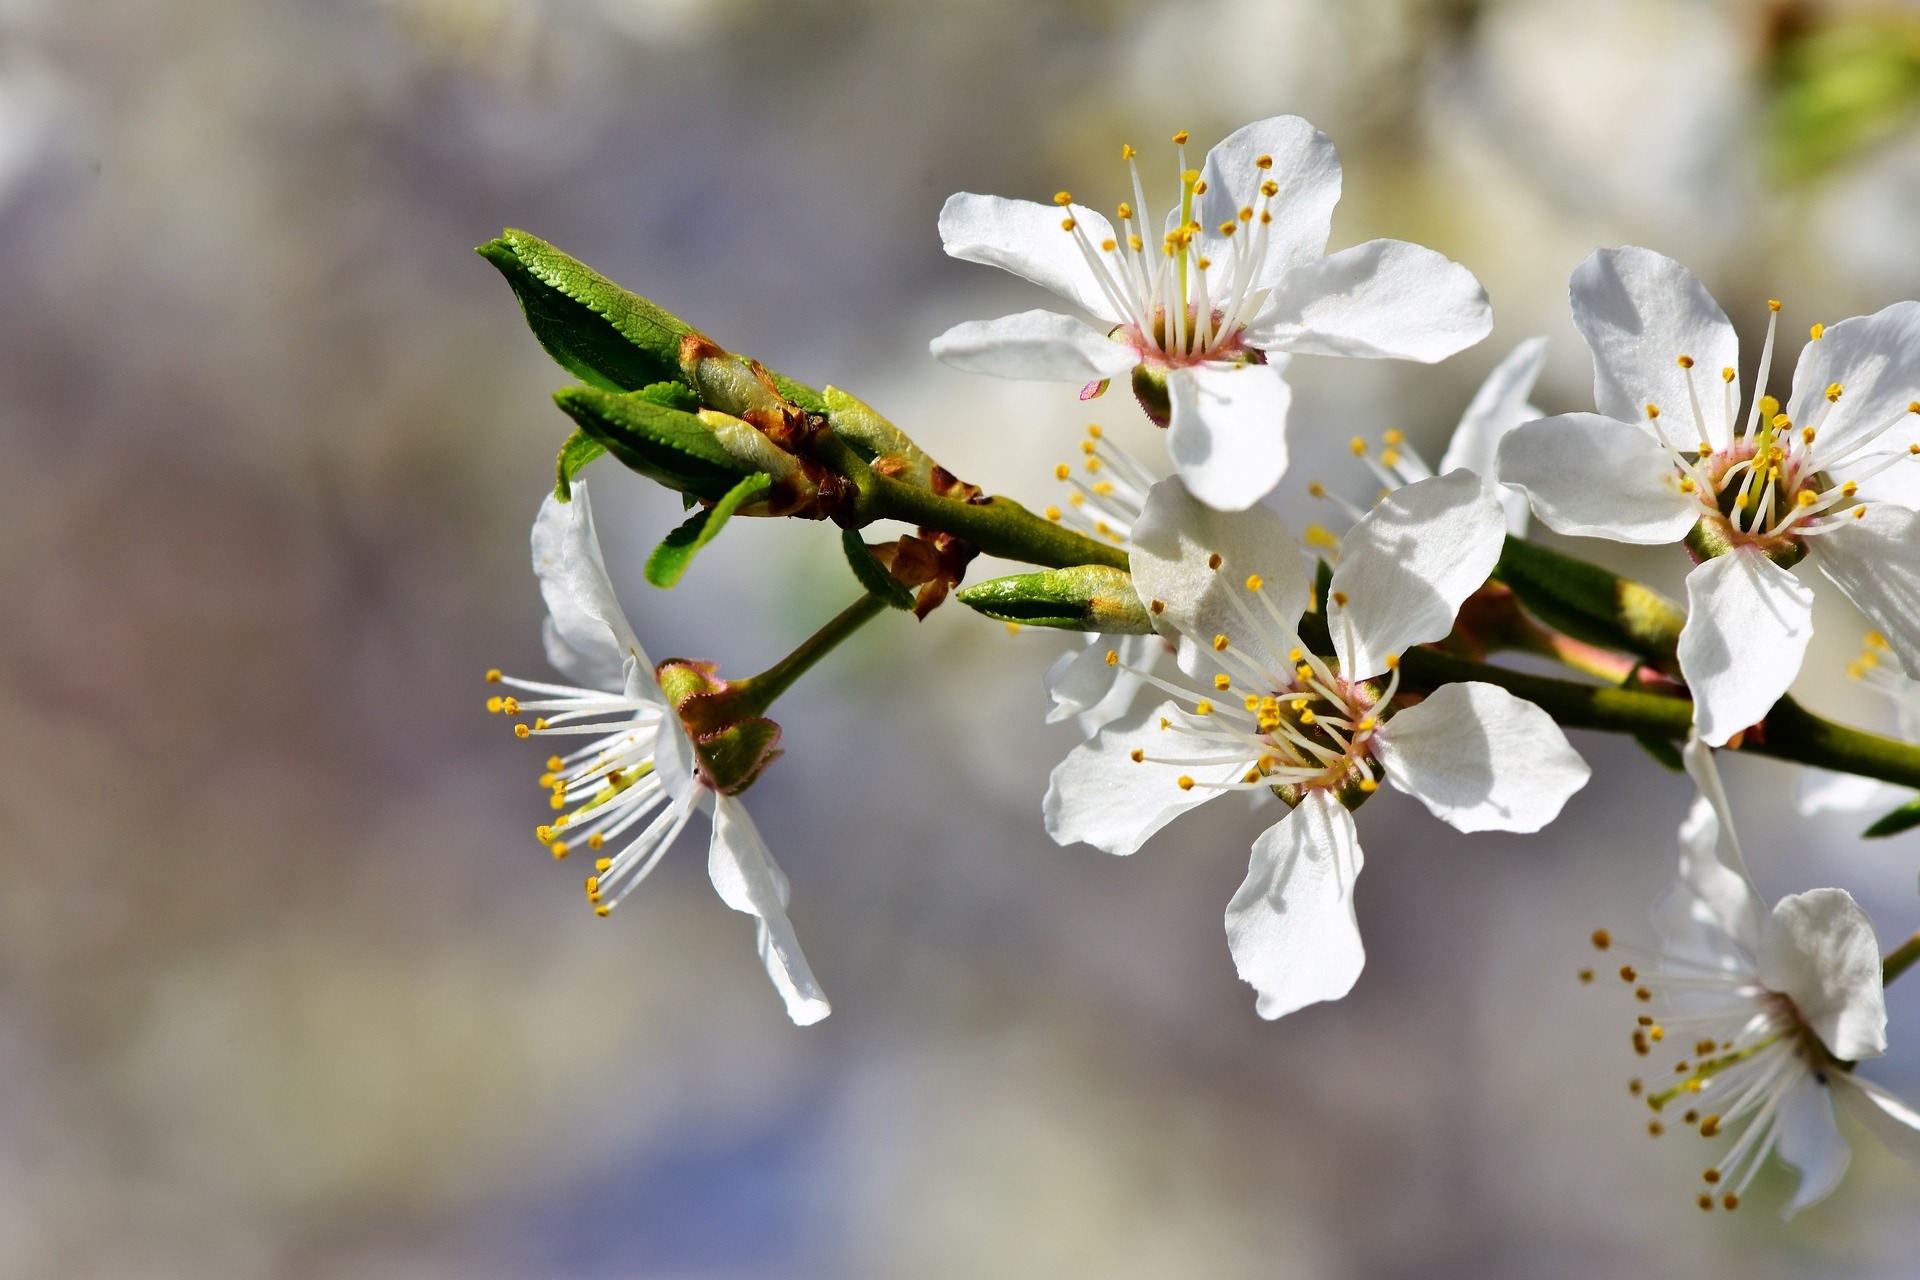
1886, 1117
1027, 239
1291, 925
1481, 759
1385, 299
1875, 559
1824, 792
1228, 433
1172, 548
1640, 312
1407, 565
1713, 890
747, 879
1809, 1140
587, 633
1307, 170
1040, 346
1594, 477
1101, 796
1819, 948
1497, 408
1748, 624
1086, 685
1875, 362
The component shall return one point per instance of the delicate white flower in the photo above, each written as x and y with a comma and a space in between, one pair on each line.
1257, 710
1500, 405
630, 790
1825, 792
1667, 458
1768, 1012
1205, 312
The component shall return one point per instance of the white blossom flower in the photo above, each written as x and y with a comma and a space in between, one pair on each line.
1499, 405
1767, 1011
1822, 791
633, 786
1256, 710
1205, 313
1667, 458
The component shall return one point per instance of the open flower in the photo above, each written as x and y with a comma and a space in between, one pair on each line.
630, 790
1204, 311
1822, 791
1669, 457
1258, 710
1768, 1011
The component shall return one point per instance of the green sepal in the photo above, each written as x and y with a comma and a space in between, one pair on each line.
668, 445
1905, 818
1088, 597
872, 574
1589, 603
607, 336
676, 551
734, 758
576, 453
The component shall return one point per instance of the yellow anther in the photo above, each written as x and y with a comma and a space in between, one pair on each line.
1857, 669
1157, 608
510, 705
1077, 499
603, 911
1913, 406
1357, 446
1093, 429
1269, 189
1200, 189
1088, 446
1255, 582
1693, 1086
1126, 211
1727, 374
1340, 598
1067, 224
1253, 702
1137, 755
1317, 489
1204, 263
1390, 457
1815, 332
1731, 1201
596, 840
494, 675
1213, 561
1395, 437
1220, 642
1062, 199
1780, 422
1185, 783
1656, 1033
1806, 435
1222, 682
1653, 411
1850, 488
1710, 1126
1833, 391
555, 763
1165, 723
1773, 304
601, 864
1876, 641
1807, 497
539, 723
1318, 535
593, 884
1203, 708
496, 704
1307, 717
1113, 657
1686, 485
543, 833
1246, 213
1686, 362
560, 848
1109, 245
1393, 662
1367, 726
1053, 513
1263, 162
1127, 152
1062, 471
1135, 243
1266, 216
1295, 654
1303, 671
521, 731
1369, 785
1180, 138
1601, 939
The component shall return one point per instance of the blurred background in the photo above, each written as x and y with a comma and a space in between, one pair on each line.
288, 989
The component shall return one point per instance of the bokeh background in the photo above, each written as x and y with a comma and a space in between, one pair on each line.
287, 988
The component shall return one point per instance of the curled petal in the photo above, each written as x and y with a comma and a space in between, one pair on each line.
1481, 759
1748, 624
1040, 346
587, 633
1385, 299
1886, 1117
1291, 925
1594, 477
747, 879
1228, 432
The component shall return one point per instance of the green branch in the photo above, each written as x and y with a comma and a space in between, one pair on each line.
1900, 959
753, 695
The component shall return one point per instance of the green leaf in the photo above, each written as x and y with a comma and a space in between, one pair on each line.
1905, 818
606, 336
668, 445
871, 573
798, 393
1664, 753
1840, 87
576, 453
1088, 597
1589, 603
676, 551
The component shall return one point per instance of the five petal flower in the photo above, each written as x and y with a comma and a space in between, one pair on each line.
1258, 710
1205, 314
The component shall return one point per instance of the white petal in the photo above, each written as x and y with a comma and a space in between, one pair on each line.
1748, 624
1640, 312
1040, 346
1497, 408
1307, 169
1100, 795
1875, 559
1084, 684
1823, 792
1876, 361
1807, 1138
1481, 759
587, 633
1713, 902
1819, 949
1385, 299
1886, 1117
1228, 433
746, 878
1405, 568
1171, 550
1026, 239
1291, 925
1594, 477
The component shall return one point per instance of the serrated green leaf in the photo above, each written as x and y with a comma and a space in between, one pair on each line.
1589, 603
871, 573
667, 445
576, 453
605, 335
1088, 597
1905, 818
676, 551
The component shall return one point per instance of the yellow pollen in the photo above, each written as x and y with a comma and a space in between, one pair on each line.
1093, 429
1158, 607
1686, 362
603, 911
1303, 671
1200, 187
1807, 435
1393, 662
1220, 642
1710, 1126
1602, 939
1269, 189
1062, 199
1773, 304
1203, 708
1263, 162
596, 840
1367, 726
1318, 535
1077, 499
1185, 783
543, 833
560, 848
1127, 152
496, 704
1093, 464
1067, 224
1104, 488
1134, 243
1390, 457
521, 731
1875, 640
1833, 392
593, 884
1686, 485
1109, 245
1653, 411
1137, 755
1317, 489
1628, 973
1731, 1201
1087, 446
1395, 437
1253, 702
1369, 785
1113, 657
1062, 471
1693, 1086
1913, 406
1180, 138
1294, 655
1656, 1033
494, 675
1340, 598
1266, 216
1222, 682
1727, 374
1246, 213
1781, 422
1255, 582
540, 722
1126, 210
1807, 498
1205, 263
1213, 561
1053, 513
601, 864
1815, 332
555, 762
1358, 446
